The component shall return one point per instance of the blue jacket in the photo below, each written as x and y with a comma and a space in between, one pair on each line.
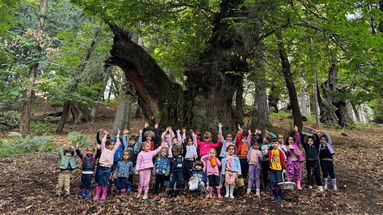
162, 164
124, 169
133, 149
121, 148
177, 164
235, 165
200, 174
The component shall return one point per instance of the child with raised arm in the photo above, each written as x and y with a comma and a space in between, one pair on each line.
144, 166
254, 158
229, 140
89, 160
67, 165
108, 148
311, 146
205, 145
243, 145
124, 170
190, 155
277, 165
150, 136
265, 160
133, 145
294, 158
326, 159
161, 170
231, 169
211, 164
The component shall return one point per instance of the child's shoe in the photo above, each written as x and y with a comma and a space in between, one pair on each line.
299, 187
231, 192
227, 192
118, 192
139, 194
334, 184
257, 193
218, 192
279, 194
274, 191
104, 193
97, 193
87, 193
145, 195
155, 196
67, 195
310, 187
325, 181
123, 190
248, 191
129, 186
320, 188
80, 193
56, 197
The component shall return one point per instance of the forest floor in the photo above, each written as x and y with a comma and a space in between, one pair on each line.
28, 181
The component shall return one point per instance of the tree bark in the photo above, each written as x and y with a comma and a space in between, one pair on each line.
286, 70
273, 99
64, 116
121, 118
208, 98
27, 104
73, 86
261, 119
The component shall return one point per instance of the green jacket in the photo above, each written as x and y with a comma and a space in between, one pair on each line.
67, 161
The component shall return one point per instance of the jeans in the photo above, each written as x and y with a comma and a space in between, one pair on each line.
265, 174
312, 168
103, 176
327, 169
121, 183
176, 178
86, 181
275, 177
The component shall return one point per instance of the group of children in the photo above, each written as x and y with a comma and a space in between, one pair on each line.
186, 160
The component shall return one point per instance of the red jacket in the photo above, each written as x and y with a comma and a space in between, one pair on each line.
281, 158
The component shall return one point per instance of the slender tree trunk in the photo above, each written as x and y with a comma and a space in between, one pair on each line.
261, 119
274, 98
73, 87
64, 116
316, 102
27, 105
123, 109
286, 70
208, 98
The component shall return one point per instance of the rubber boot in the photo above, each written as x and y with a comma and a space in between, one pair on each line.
80, 193
274, 191
334, 184
227, 192
299, 187
279, 194
118, 192
87, 193
325, 181
104, 193
123, 190
232, 192
257, 193
218, 192
129, 186
210, 190
145, 195
170, 193
97, 193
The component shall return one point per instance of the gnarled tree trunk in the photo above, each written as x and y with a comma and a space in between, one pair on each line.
208, 98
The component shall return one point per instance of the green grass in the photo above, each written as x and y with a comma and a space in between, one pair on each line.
42, 126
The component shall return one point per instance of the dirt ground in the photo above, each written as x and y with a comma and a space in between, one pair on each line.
27, 184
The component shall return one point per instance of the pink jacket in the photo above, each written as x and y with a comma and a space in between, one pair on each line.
295, 148
204, 147
145, 159
107, 156
210, 170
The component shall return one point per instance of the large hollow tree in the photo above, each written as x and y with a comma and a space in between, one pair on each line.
210, 85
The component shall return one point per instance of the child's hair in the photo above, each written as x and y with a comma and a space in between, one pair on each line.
310, 137
199, 163
255, 138
213, 149
188, 137
287, 139
231, 146
68, 150
268, 137
127, 153
133, 137
90, 148
207, 135
165, 149
274, 140
323, 136
144, 144
177, 149
149, 133
255, 143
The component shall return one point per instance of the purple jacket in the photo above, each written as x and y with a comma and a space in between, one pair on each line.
297, 151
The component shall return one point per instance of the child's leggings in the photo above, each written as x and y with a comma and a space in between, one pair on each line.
254, 176
159, 185
312, 168
327, 169
230, 177
144, 178
294, 169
